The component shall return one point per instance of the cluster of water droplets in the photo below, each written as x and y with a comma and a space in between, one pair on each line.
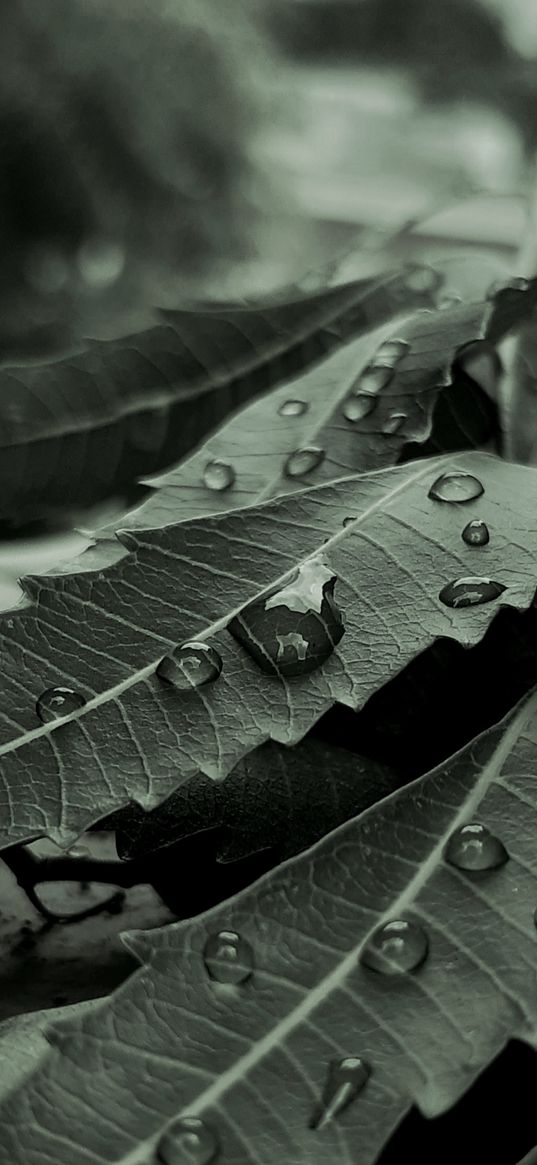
458, 488
363, 397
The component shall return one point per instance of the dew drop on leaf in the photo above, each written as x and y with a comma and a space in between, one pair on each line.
393, 423
293, 408
456, 487
373, 379
345, 1080
292, 630
58, 702
218, 475
395, 948
391, 352
303, 461
473, 847
470, 592
188, 1141
228, 958
355, 408
190, 666
476, 533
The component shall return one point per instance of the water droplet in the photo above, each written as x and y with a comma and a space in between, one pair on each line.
190, 666
228, 957
218, 475
470, 592
58, 702
456, 487
500, 285
293, 630
346, 1079
476, 533
473, 847
293, 408
188, 1141
303, 461
348, 521
391, 352
393, 423
373, 379
355, 408
396, 947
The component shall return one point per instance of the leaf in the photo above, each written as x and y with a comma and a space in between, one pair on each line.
276, 796
103, 633
81, 428
252, 1061
23, 1043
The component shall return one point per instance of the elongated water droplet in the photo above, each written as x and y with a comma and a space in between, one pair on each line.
396, 947
188, 1141
303, 461
473, 847
218, 475
393, 423
355, 408
58, 702
516, 284
373, 379
228, 957
391, 352
293, 408
456, 487
476, 533
345, 1080
293, 630
470, 592
191, 666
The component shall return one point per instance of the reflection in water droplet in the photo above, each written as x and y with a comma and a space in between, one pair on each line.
396, 947
293, 630
218, 475
303, 461
476, 533
456, 487
58, 702
515, 284
473, 847
346, 1079
391, 352
355, 408
470, 592
393, 423
191, 666
188, 1141
373, 379
293, 408
228, 957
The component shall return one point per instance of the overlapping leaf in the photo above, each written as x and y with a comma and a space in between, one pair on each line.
252, 1061
103, 633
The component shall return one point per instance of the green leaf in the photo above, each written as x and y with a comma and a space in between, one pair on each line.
23, 1043
103, 633
252, 1060
79, 429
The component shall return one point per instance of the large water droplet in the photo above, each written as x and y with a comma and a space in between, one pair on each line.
393, 423
228, 957
218, 475
293, 408
191, 666
303, 461
373, 379
395, 948
355, 408
470, 592
473, 847
476, 533
58, 702
293, 630
346, 1079
456, 487
391, 352
188, 1141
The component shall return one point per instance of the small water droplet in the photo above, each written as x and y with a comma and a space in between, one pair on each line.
293, 408
228, 957
470, 592
58, 702
391, 352
476, 533
393, 423
348, 521
473, 847
218, 475
303, 461
294, 629
188, 1141
395, 948
373, 379
516, 284
355, 408
422, 278
456, 487
346, 1079
192, 665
